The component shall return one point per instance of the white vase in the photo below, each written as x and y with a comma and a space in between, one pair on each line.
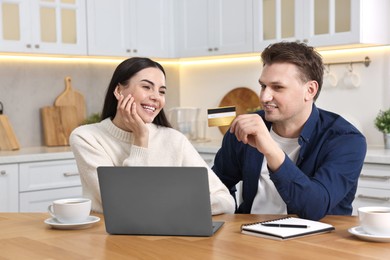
386, 138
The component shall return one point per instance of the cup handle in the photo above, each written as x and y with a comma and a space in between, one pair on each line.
50, 209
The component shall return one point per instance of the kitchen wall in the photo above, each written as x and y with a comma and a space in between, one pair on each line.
27, 85
204, 85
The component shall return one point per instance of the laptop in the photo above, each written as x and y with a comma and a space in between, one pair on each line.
161, 201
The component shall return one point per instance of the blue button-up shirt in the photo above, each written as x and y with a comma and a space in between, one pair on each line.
322, 182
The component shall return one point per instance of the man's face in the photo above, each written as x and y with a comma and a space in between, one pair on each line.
285, 98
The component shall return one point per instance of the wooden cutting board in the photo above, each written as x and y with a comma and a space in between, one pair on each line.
244, 99
71, 97
8, 140
58, 123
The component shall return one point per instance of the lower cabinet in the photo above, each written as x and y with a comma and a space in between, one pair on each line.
9, 195
32, 186
39, 201
373, 187
42, 182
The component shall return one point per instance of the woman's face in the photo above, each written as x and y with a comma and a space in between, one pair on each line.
148, 89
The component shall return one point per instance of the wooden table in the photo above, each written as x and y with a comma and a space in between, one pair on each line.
26, 236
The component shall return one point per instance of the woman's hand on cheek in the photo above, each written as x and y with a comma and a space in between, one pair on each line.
128, 111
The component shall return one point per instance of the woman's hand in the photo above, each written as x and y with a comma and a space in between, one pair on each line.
127, 110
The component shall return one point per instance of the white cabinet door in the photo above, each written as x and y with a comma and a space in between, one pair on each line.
276, 20
108, 27
9, 195
130, 28
15, 26
42, 182
321, 23
373, 187
41, 26
48, 175
371, 197
346, 22
214, 27
38, 201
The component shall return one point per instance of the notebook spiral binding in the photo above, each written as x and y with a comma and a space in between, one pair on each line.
263, 222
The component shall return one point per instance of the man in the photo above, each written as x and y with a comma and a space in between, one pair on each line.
292, 157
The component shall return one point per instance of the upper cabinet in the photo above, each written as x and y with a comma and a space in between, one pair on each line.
186, 28
214, 27
43, 26
130, 28
321, 23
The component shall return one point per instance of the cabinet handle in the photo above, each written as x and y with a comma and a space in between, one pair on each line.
210, 49
127, 50
215, 49
70, 174
36, 46
3, 173
375, 177
373, 197
135, 50
28, 45
305, 40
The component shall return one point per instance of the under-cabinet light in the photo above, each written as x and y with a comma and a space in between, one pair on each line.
176, 61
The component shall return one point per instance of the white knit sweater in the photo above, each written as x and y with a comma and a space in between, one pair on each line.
104, 144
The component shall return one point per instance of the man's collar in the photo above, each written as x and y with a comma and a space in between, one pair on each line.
308, 128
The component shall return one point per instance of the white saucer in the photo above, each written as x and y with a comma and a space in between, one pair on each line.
54, 223
360, 233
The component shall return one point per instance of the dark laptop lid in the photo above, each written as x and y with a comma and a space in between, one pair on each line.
156, 200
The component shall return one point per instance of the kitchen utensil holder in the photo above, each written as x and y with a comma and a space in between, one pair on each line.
366, 62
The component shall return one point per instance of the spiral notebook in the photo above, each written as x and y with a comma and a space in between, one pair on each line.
286, 228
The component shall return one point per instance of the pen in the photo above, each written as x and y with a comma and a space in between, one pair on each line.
283, 225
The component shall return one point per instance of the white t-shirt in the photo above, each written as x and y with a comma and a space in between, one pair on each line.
267, 199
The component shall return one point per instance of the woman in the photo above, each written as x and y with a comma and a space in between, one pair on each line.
134, 131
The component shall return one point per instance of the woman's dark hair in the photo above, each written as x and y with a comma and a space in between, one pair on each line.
122, 74
308, 61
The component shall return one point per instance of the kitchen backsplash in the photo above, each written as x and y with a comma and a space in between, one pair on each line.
28, 85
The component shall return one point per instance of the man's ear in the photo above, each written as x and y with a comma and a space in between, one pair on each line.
311, 90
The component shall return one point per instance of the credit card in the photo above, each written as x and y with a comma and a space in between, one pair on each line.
221, 116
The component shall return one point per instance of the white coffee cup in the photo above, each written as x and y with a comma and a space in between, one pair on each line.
74, 210
351, 79
375, 220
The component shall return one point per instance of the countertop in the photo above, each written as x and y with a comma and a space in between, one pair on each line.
42, 153
377, 155
32, 154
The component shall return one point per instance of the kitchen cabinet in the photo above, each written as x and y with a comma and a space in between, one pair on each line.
321, 23
214, 27
31, 178
42, 182
9, 188
130, 28
42, 26
374, 186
